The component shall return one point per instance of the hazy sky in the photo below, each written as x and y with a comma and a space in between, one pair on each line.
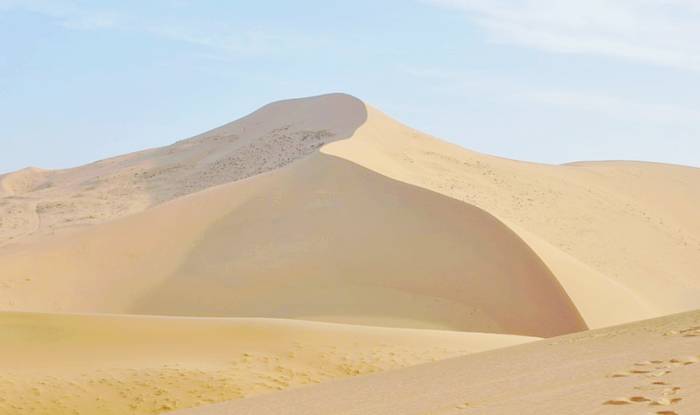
541, 80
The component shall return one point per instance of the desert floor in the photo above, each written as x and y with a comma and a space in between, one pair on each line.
649, 367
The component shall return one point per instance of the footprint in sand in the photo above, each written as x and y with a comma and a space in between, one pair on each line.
450, 409
618, 401
689, 332
643, 399
657, 392
656, 368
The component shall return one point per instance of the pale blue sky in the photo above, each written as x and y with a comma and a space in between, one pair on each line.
540, 80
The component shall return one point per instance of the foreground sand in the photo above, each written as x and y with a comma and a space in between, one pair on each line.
96, 364
650, 367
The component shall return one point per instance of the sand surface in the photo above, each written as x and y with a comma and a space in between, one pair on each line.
36, 203
650, 367
58, 364
323, 239
613, 234
324, 210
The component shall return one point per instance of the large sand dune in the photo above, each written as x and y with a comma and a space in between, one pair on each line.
323, 239
614, 234
326, 210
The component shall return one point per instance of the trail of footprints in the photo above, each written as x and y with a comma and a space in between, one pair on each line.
656, 393
168, 386
689, 332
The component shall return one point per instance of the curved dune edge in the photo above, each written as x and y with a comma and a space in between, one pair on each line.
601, 300
616, 233
36, 203
651, 366
108, 364
322, 239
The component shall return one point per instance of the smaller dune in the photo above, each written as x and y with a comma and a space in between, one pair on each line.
22, 181
648, 367
57, 364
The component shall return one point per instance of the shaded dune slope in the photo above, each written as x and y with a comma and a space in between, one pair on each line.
623, 234
322, 239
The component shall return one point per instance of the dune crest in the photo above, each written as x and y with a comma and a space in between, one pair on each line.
606, 217
35, 203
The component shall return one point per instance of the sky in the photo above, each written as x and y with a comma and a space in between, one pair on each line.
550, 81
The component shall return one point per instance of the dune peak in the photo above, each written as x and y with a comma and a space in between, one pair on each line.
269, 138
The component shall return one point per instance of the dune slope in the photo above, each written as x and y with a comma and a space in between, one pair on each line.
323, 209
617, 233
56, 364
323, 239
36, 203
649, 367
622, 238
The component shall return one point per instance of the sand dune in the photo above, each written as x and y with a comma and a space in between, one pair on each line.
593, 224
35, 202
631, 223
323, 209
89, 364
323, 239
650, 367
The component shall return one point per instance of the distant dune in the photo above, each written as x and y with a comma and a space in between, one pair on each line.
324, 209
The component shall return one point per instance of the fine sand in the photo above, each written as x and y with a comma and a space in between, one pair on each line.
36, 202
323, 239
329, 241
621, 238
651, 367
57, 364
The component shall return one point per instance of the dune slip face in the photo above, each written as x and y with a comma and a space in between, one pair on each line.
323, 239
